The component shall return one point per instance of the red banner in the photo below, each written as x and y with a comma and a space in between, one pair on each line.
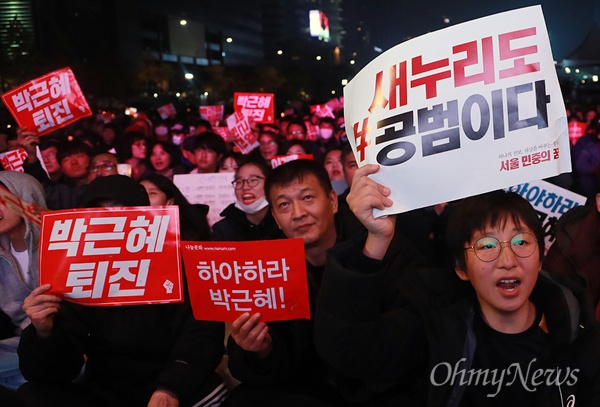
226, 279
112, 256
13, 160
166, 111
47, 103
259, 106
282, 159
212, 113
245, 139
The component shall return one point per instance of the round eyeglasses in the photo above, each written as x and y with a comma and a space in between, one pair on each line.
251, 181
102, 167
488, 248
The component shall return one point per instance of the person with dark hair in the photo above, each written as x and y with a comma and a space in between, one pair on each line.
49, 151
74, 158
576, 251
230, 162
19, 241
192, 217
496, 330
201, 126
276, 362
249, 218
208, 149
586, 160
268, 145
134, 151
165, 159
136, 355
296, 130
332, 161
102, 165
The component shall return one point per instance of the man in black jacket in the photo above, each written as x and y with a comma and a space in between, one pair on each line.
277, 362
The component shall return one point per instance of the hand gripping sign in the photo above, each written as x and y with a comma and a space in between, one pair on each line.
47, 103
226, 279
112, 256
459, 111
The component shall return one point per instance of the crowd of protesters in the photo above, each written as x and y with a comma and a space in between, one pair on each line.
303, 362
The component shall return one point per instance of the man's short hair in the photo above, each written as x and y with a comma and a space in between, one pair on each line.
75, 146
346, 151
211, 141
490, 209
297, 170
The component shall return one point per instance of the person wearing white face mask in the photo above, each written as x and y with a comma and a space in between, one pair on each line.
326, 140
249, 217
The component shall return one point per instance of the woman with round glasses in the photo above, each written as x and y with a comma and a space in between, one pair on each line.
503, 333
249, 217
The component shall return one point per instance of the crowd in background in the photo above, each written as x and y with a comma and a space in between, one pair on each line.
151, 152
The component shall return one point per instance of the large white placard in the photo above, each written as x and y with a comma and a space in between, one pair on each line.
214, 190
461, 111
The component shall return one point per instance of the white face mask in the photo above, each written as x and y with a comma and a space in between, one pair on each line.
326, 133
254, 207
177, 140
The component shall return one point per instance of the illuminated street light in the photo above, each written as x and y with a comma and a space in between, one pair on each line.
183, 22
594, 78
279, 52
205, 93
352, 62
333, 92
189, 76
178, 94
229, 39
155, 95
577, 70
344, 82
318, 57
567, 69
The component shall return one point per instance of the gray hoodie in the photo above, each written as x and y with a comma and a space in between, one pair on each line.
13, 289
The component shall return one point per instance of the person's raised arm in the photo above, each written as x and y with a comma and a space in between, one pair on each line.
28, 140
365, 195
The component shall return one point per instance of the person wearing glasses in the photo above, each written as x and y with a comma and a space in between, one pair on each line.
249, 217
497, 330
102, 165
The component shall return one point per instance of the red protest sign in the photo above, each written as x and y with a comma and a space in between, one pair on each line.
25, 209
13, 160
226, 279
259, 106
282, 159
166, 111
245, 139
112, 256
47, 103
213, 113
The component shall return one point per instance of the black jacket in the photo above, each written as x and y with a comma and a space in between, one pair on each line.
130, 350
432, 323
235, 227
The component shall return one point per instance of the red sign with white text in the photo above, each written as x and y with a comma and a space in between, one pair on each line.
166, 111
282, 159
47, 103
226, 279
245, 139
259, 106
212, 113
112, 256
13, 160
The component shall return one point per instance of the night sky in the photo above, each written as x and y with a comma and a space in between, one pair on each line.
391, 22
